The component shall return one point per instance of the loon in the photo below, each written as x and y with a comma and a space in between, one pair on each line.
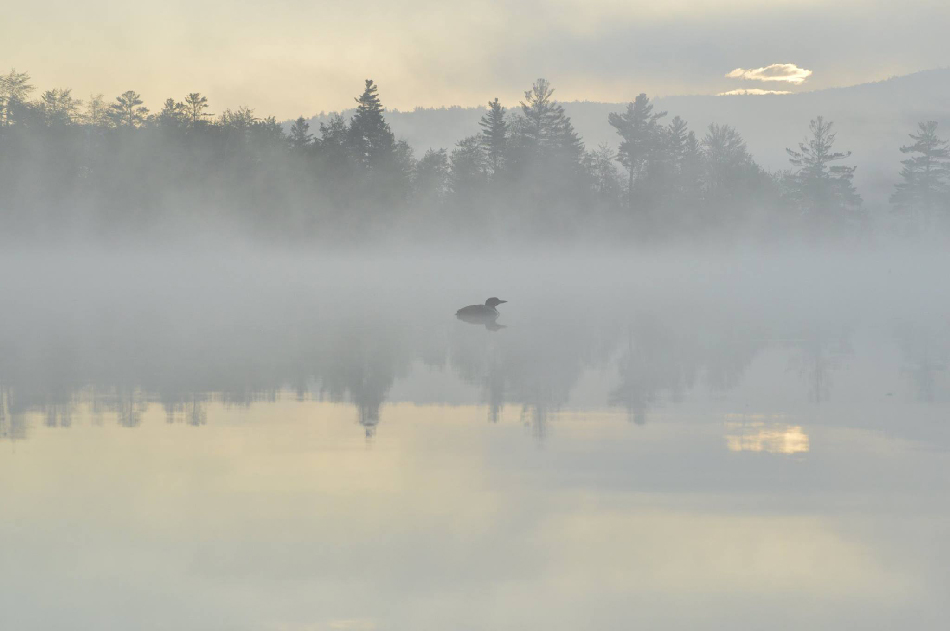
483, 312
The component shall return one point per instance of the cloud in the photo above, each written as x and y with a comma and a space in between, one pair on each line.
752, 92
788, 73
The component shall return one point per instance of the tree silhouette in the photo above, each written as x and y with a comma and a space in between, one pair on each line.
639, 130
97, 112
370, 137
195, 106
546, 128
60, 107
15, 87
431, 180
128, 111
173, 114
300, 136
823, 192
924, 186
494, 136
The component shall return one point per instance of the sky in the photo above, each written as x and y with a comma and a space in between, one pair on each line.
301, 57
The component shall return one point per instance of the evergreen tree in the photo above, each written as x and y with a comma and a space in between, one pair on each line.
370, 137
431, 178
494, 136
300, 136
726, 160
195, 105
173, 114
469, 167
128, 111
334, 140
639, 130
822, 191
677, 133
924, 186
545, 128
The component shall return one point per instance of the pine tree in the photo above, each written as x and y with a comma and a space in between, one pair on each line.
173, 114
196, 104
469, 167
823, 192
431, 178
546, 129
128, 111
494, 136
676, 138
300, 136
925, 175
370, 137
726, 159
639, 129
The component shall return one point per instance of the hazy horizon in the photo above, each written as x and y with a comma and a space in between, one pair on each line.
302, 57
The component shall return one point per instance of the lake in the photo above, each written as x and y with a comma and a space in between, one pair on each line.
240, 439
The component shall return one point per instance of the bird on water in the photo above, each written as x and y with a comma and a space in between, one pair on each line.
481, 312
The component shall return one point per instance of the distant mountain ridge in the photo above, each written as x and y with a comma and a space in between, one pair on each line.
872, 121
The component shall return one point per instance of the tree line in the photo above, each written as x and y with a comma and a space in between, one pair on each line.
71, 165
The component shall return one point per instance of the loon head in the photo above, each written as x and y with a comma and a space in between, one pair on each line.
494, 302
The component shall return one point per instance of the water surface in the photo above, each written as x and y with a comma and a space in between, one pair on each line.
237, 440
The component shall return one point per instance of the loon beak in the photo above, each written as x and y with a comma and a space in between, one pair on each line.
501, 302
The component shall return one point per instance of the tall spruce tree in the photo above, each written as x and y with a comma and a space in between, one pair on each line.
494, 136
370, 137
546, 129
924, 179
300, 136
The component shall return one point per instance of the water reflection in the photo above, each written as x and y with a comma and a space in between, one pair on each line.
641, 444
925, 348
757, 433
646, 362
640, 351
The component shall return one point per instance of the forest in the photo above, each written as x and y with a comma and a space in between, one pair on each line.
93, 167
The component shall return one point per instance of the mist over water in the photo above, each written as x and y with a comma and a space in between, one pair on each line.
243, 437
258, 375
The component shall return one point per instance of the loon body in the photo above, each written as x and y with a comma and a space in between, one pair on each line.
480, 313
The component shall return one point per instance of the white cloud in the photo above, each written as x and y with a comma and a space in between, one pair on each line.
752, 92
788, 73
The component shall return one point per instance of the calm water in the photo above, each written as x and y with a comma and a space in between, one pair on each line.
295, 442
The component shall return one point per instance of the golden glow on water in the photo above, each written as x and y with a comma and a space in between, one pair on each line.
756, 434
